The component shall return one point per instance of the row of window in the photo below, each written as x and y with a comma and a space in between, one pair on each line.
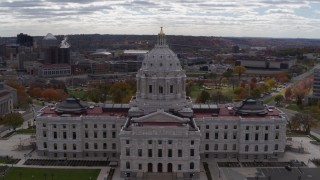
161, 141
216, 147
86, 134
256, 148
225, 135
160, 89
64, 126
247, 127
266, 136
179, 167
74, 146
160, 153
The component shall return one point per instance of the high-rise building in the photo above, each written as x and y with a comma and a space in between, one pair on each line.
24, 40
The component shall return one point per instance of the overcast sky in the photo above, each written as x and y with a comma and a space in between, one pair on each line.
249, 18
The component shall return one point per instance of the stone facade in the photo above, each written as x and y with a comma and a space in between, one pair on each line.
161, 130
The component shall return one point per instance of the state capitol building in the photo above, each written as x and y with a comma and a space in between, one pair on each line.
161, 130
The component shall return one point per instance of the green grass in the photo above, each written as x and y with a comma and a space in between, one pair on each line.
78, 94
293, 107
26, 131
46, 173
269, 99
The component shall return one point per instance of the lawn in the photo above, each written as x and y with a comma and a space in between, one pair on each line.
196, 90
17, 173
79, 93
26, 131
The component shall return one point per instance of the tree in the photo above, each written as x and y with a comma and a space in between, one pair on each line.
23, 98
50, 94
288, 93
35, 92
121, 92
278, 98
304, 121
13, 120
203, 97
239, 70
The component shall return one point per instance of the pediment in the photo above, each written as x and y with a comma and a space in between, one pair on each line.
160, 116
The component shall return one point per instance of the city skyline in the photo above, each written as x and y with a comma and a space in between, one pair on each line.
235, 18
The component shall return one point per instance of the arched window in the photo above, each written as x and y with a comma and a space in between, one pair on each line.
44, 145
128, 165
266, 148
64, 147
86, 146
74, 147
256, 148
55, 146
192, 165
247, 148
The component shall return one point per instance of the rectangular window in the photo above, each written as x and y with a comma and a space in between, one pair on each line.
216, 135
104, 126
44, 133
113, 126
234, 147
179, 167
179, 152
54, 126
235, 135
267, 128
104, 134
277, 136
95, 126
149, 141
169, 152
149, 152
127, 142
171, 88
277, 126
257, 127
226, 127
191, 152
150, 88
159, 141
140, 166
73, 126
74, 135
192, 142
113, 134
159, 152
247, 137
160, 89
207, 127
86, 134
256, 137
235, 127
64, 126
247, 127
225, 135
225, 147
217, 127
85, 125
207, 135
44, 125
127, 152
266, 137
95, 134
55, 135
140, 152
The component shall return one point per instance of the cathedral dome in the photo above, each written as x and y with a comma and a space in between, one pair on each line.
161, 57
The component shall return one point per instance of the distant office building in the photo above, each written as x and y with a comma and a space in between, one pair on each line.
54, 70
316, 82
8, 97
266, 63
24, 40
134, 54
